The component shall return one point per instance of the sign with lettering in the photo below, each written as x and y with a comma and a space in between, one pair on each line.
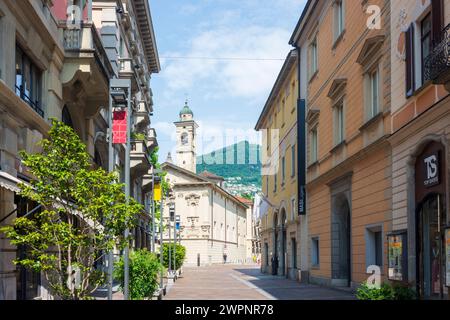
431, 163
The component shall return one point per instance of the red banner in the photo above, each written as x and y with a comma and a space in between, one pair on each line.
119, 128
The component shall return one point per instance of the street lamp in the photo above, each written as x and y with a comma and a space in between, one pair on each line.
120, 96
171, 219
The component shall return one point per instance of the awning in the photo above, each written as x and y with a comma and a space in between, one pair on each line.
9, 182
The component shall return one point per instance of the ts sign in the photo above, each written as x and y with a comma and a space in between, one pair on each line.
431, 170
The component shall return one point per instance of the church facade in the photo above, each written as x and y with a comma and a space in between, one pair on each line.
213, 223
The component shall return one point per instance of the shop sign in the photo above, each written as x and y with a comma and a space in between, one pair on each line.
397, 256
431, 163
447, 255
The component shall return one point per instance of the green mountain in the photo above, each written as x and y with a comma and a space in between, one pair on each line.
239, 164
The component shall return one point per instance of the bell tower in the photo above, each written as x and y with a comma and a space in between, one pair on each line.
186, 133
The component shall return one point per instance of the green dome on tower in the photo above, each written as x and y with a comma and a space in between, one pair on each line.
186, 110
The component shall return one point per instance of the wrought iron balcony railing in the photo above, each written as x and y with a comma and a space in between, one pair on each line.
20, 91
437, 64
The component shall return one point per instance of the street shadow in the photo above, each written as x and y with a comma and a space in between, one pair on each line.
281, 288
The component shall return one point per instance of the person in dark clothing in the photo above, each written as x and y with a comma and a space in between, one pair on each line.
274, 265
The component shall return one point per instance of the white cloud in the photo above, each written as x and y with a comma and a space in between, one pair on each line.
236, 78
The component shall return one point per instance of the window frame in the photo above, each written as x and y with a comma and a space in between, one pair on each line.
315, 252
314, 59
338, 20
29, 90
339, 121
314, 145
372, 251
422, 37
293, 160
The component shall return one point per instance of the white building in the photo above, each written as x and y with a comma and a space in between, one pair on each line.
213, 223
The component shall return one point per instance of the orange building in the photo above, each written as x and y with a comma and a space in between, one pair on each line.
346, 83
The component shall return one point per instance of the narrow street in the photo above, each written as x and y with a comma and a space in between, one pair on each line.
244, 282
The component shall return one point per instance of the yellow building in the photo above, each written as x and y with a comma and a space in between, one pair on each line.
278, 123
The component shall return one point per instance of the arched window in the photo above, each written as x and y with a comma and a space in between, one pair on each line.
66, 118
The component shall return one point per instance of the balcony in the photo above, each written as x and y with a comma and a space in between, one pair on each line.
152, 141
35, 105
437, 64
139, 158
87, 69
125, 67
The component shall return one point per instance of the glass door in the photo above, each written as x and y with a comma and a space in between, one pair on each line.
431, 257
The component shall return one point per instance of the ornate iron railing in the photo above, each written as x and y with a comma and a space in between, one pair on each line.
20, 91
438, 61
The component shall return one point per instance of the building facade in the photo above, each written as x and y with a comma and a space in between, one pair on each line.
213, 223
345, 82
280, 224
420, 143
56, 61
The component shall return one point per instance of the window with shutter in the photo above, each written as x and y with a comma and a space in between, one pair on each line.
410, 61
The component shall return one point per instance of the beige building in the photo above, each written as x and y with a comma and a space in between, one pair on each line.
213, 223
50, 67
420, 143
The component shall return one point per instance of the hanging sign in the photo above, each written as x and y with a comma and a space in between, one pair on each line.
119, 127
157, 192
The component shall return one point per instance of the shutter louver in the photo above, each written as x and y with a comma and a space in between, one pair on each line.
437, 17
409, 35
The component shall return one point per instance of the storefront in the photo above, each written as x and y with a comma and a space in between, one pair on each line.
431, 221
419, 244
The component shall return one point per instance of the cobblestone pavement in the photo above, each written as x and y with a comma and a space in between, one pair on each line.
245, 282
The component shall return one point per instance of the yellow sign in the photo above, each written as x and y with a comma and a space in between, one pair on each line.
157, 192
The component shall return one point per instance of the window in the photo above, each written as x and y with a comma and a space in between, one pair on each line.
283, 105
313, 155
315, 260
313, 64
339, 122
267, 185
294, 252
425, 41
293, 160
409, 61
372, 80
293, 209
283, 169
28, 81
338, 18
374, 246
275, 183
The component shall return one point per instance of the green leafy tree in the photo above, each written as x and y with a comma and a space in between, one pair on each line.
144, 268
180, 254
385, 292
83, 215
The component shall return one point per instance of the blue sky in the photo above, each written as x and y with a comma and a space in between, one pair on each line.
226, 96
